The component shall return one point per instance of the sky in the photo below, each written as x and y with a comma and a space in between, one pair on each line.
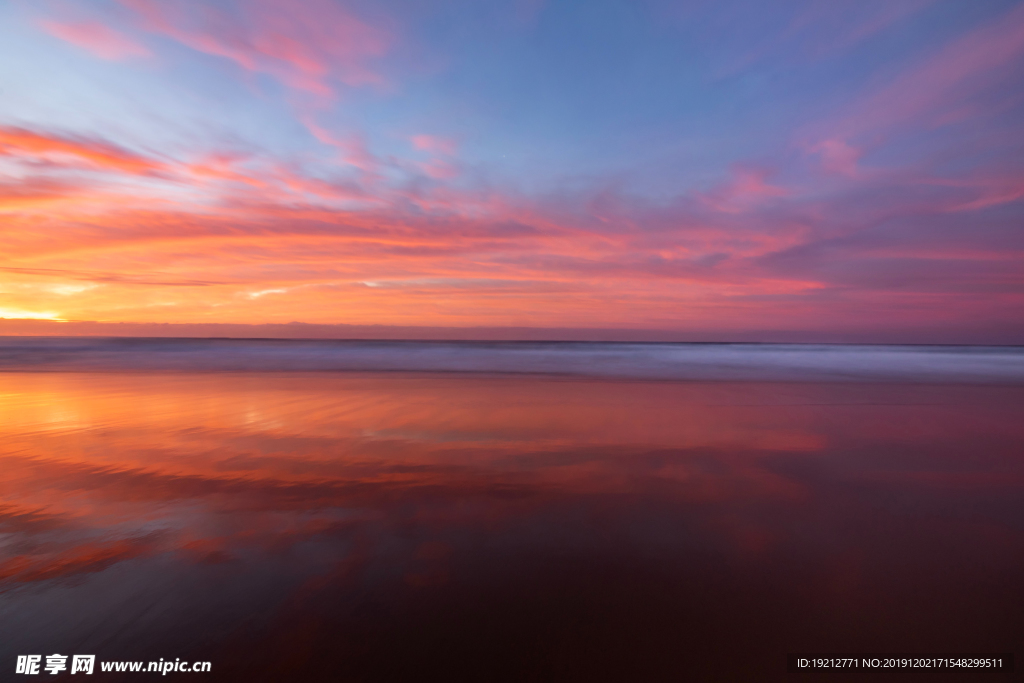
727, 167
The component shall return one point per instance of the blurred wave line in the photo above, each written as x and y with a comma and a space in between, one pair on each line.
668, 361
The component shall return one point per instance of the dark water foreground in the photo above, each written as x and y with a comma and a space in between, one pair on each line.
420, 527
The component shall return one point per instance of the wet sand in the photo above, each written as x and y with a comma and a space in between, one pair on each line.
403, 527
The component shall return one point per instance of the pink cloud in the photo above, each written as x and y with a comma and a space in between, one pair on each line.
753, 250
440, 170
352, 149
885, 15
838, 156
936, 91
817, 31
989, 191
309, 46
746, 190
99, 39
432, 143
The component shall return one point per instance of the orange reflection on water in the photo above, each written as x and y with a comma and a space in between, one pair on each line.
119, 452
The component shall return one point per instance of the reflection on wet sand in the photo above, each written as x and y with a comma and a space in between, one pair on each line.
400, 527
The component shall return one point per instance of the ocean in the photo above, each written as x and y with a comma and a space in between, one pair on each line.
656, 361
404, 511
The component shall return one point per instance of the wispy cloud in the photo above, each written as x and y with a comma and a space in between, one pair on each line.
896, 197
97, 38
311, 46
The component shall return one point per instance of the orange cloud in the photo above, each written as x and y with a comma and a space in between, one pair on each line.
22, 142
247, 239
35, 193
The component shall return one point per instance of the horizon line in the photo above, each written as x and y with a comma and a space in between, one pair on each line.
1007, 335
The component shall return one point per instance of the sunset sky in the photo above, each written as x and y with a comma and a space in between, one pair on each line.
727, 165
